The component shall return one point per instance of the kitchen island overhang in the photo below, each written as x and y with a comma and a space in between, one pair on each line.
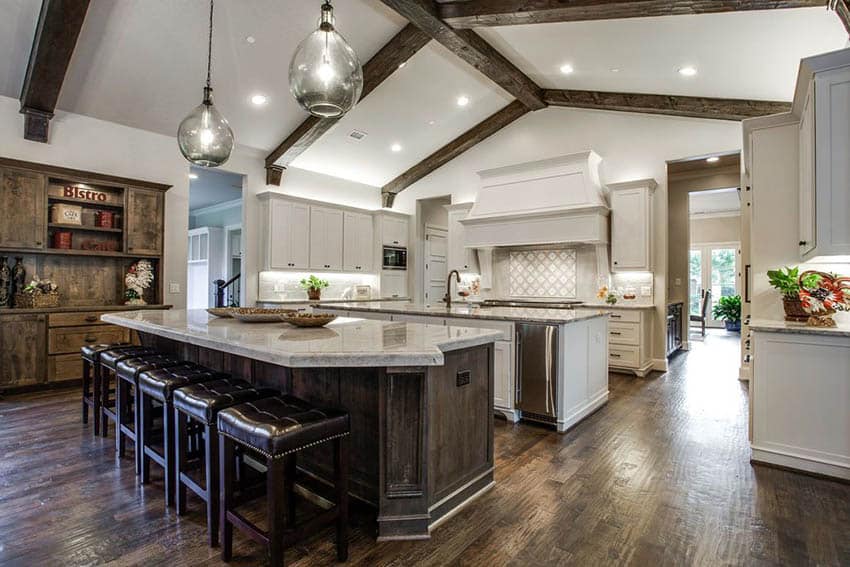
419, 397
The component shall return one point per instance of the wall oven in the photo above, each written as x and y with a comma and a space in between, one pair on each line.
395, 258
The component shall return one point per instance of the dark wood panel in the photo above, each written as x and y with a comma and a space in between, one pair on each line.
473, 49
22, 209
75, 319
64, 367
79, 175
383, 64
480, 13
23, 349
456, 147
671, 105
145, 221
842, 8
59, 26
67, 340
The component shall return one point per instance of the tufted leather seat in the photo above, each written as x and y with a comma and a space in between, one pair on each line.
92, 387
203, 401
161, 383
130, 368
92, 352
281, 425
110, 358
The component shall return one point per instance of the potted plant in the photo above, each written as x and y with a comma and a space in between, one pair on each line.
314, 286
786, 281
728, 310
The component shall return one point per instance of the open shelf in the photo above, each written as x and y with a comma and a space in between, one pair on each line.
85, 228
73, 252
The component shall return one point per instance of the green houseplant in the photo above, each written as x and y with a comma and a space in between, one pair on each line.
786, 281
314, 286
728, 310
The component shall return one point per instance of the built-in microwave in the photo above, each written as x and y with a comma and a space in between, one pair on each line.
395, 258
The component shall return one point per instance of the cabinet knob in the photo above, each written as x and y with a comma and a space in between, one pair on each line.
803, 242
615, 263
91, 318
90, 339
38, 243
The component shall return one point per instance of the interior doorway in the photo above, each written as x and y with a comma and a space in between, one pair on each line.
431, 249
436, 262
712, 273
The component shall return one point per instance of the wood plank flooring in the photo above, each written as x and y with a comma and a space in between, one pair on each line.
660, 476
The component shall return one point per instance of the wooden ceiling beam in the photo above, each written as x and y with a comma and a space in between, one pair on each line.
473, 49
842, 8
383, 64
671, 105
485, 13
59, 25
453, 149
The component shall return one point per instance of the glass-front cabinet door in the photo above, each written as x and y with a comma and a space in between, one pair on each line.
712, 267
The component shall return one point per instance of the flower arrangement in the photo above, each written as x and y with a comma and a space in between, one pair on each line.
609, 296
822, 295
39, 286
139, 278
314, 286
38, 293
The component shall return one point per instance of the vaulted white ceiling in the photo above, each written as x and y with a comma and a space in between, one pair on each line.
751, 55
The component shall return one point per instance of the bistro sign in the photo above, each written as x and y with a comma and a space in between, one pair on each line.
72, 192
85, 193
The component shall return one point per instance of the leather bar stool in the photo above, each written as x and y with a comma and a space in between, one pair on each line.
127, 385
199, 405
278, 428
109, 360
91, 381
159, 386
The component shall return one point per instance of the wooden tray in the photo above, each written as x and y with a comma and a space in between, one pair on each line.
309, 319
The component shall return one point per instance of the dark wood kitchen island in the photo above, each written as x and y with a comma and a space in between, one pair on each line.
420, 399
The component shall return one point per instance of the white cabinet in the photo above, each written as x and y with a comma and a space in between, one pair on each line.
394, 230
284, 233
325, 238
631, 226
394, 284
629, 338
358, 242
825, 190
459, 256
503, 397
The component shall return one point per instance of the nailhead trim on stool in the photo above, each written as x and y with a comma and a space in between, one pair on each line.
200, 404
91, 381
109, 360
127, 373
159, 385
278, 428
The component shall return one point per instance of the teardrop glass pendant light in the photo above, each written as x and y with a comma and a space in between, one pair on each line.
205, 137
325, 76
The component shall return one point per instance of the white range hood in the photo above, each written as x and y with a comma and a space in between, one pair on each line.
552, 201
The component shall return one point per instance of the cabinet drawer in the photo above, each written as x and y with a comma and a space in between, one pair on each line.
64, 367
623, 356
624, 333
623, 315
71, 339
75, 319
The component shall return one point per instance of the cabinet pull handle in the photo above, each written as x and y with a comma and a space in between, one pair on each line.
38, 243
614, 316
90, 339
613, 355
803, 243
614, 333
91, 318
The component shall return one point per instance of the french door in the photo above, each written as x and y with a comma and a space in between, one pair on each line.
712, 267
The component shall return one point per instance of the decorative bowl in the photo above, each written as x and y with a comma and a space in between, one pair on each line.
223, 312
259, 315
309, 319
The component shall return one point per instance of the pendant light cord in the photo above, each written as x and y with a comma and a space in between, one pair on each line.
209, 46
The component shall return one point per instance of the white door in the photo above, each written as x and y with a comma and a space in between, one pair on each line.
333, 239
436, 261
357, 242
394, 231
712, 267
299, 236
629, 238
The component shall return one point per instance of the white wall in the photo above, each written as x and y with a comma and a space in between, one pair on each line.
708, 230
632, 146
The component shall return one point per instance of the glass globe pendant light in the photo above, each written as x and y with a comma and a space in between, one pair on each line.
325, 76
205, 137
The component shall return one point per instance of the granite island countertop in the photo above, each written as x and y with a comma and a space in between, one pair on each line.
472, 311
342, 343
775, 326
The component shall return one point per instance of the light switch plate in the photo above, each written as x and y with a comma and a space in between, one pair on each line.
173, 287
678, 281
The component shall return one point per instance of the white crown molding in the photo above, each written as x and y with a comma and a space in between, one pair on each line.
716, 214
218, 207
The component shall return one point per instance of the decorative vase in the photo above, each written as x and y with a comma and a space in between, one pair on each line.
314, 294
19, 277
794, 310
733, 326
5, 284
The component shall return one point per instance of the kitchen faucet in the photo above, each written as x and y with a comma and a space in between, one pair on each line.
448, 297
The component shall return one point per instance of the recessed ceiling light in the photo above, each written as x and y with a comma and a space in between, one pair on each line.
713, 159
688, 71
566, 68
396, 148
250, 39
615, 69
431, 122
193, 176
462, 100
259, 100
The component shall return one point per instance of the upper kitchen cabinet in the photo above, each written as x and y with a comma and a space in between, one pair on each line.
325, 238
631, 225
145, 221
822, 103
284, 233
22, 202
459, 256
357, 253
394, 230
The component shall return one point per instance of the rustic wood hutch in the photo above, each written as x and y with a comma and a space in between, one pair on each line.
40, 347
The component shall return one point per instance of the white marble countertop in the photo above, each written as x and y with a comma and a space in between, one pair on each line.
472, 311
342, 343
315, 302
619, 305
773, 326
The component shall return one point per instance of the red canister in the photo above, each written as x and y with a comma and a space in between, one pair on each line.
62, 240
104, 219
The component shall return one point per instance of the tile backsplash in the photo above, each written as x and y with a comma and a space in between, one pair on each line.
542, 273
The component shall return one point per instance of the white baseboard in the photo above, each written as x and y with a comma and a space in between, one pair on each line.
801, 464
582, 412
660, 364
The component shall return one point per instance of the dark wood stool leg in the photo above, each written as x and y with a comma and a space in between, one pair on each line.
120, 410
181, 438
87, 393
143, 437
105, 379
226, 472
211, 482
278, 503
137, 415
341, 485
289, 487
168, 451
97, 392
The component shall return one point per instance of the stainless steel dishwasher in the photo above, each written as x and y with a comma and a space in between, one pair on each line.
537, 371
